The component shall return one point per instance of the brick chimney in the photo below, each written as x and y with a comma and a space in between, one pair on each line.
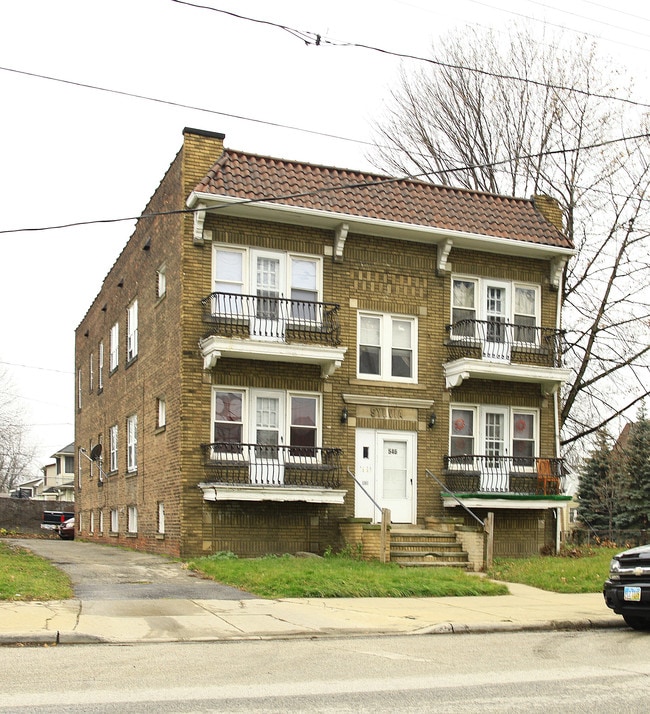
201, 150
550, 209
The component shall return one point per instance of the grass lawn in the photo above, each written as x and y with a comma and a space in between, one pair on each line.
337, 576
25, 576
583, 572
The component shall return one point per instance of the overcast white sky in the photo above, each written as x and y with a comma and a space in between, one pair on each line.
69, 153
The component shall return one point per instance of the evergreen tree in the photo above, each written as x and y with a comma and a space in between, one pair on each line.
635, 514
601, 488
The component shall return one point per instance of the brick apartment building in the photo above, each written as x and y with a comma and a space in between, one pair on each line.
282, 348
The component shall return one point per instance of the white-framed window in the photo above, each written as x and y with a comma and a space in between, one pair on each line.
387, 347
161, 517
494, 431
132, 519
101, 520
270, 417
91, 372
100, 366
132, 331
496, 303
79, 387
115, 520
161, 281
79, 469
132, 443
92, 522
114, 347
267, 274
112, 448
161, 419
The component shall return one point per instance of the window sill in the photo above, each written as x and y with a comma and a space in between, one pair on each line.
386, 383
131, 474
131, 535
160, 536
160, 429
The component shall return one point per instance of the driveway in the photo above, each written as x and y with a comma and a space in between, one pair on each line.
103, 572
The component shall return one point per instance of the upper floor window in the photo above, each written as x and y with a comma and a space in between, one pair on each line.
265, 417
79, 388
269, 288
484, 309
132, 331
112, 448
494, 432
100, 366
161, 281
91, 372
387, 347
68, 464
162, 412
114, 356
132, 443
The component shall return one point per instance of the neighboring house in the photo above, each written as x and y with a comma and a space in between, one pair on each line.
29, 489
58, 478
304, 324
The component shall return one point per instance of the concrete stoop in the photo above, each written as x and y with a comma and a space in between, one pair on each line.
415, 546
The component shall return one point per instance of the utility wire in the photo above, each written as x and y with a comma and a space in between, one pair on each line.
326, 189
171, 103
313, 38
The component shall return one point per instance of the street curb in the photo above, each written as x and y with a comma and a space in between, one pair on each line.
47, 638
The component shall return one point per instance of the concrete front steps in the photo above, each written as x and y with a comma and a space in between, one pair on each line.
416, 546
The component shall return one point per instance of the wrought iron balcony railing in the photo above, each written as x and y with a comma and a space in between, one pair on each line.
272, 318
507, 342
234, 463
530, 476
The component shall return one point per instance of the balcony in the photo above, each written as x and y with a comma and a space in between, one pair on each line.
268, 472
505, 475
487, 349
271, 329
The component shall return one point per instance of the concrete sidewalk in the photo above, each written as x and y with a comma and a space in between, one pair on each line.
186, 620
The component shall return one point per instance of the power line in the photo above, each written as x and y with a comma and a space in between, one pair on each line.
316, 39
180, 105
381, 180
43, 369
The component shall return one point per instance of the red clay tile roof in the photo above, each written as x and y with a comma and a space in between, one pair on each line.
249, 176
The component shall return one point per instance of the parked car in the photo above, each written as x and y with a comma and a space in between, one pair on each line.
52, 520
66, 529
627, 590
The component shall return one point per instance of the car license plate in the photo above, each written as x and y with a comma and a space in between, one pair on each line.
632, 594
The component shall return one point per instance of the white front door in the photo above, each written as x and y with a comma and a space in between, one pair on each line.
494, 468
268, 322
496, 343
386, 468
267, 459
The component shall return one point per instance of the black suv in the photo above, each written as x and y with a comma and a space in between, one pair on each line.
627, 591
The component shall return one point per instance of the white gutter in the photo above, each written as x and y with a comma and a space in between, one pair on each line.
371, 226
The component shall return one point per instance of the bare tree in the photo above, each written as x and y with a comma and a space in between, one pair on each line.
524, 118
16, 454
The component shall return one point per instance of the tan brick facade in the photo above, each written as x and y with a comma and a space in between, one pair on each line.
377, 274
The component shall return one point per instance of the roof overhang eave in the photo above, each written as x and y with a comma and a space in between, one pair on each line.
365, 225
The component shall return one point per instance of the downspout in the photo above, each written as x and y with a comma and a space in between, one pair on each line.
556, 409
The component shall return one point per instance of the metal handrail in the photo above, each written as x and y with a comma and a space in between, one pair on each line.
525, 475
272, 465
507, 341
377, 506
453, 495
271, 317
